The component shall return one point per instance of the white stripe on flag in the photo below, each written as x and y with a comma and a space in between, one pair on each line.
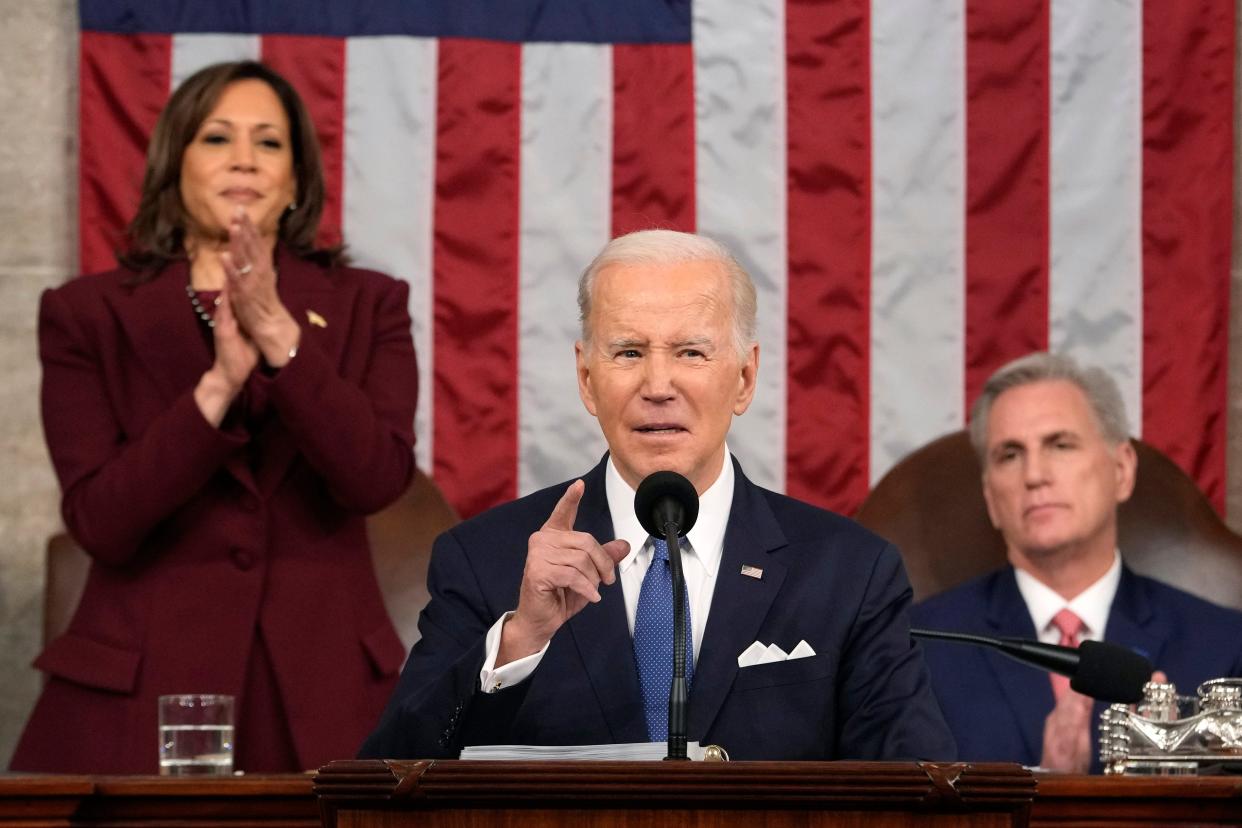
739, 92
918, 66
565, 215
1095, 275
191, 52
390, 142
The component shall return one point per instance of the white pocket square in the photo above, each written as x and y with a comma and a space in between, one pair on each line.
759, 653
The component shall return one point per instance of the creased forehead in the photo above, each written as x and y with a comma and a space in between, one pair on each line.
686, 283
673, 302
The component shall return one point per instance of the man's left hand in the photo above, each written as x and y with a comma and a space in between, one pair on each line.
1067, 735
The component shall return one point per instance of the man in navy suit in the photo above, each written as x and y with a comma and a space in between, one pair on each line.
529, 637
1057, 460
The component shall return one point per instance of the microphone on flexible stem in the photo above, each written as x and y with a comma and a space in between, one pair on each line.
667, 507
1103, 671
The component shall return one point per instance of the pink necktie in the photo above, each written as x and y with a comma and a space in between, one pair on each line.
1070, 626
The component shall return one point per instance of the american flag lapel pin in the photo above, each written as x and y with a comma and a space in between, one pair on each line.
752, 571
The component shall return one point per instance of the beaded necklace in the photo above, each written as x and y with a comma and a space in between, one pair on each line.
201, 312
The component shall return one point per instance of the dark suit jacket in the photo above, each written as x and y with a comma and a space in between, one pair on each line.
204, 537
996, 706
864, 695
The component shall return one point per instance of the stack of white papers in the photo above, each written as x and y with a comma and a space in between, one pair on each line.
631, 752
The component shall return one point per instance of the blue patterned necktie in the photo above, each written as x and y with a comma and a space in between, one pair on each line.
653, 641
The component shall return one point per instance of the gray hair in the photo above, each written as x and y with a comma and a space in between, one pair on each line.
659, 247
1101, 391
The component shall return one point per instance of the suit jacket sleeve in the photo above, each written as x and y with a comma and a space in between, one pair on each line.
438, 706
888, 708
359, 437
116, 486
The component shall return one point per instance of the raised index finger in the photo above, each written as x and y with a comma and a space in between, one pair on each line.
566, 510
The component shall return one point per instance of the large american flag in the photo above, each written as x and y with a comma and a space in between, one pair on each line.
922, 190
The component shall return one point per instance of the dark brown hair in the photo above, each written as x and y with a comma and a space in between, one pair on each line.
156, 236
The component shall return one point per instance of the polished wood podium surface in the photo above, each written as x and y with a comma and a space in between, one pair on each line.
1100, 801
409, 793
429, 794
277, 801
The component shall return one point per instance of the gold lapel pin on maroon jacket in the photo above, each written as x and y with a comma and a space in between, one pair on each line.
316, 319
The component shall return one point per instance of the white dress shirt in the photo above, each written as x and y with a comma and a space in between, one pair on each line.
701, 551
1091, 605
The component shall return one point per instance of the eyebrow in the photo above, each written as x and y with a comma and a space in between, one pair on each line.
1044, 440
228, 123
634, 342
626, 342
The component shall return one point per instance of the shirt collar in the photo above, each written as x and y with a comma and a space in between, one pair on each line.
1091, 605
705, 539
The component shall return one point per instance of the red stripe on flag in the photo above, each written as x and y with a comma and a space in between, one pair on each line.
475, 272
1007, 137
653, 138
316, 68
1188, 59
124, 82
829, 225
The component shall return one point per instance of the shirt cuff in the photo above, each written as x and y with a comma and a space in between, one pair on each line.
493, 678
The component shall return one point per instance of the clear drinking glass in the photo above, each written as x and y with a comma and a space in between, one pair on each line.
196, 735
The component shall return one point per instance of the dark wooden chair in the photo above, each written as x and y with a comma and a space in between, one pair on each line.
400, 536
931, 506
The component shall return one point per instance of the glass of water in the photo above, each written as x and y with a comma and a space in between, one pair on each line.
196, 735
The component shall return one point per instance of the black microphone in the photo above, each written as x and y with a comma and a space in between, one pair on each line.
666, 497
1103, 671
667, 507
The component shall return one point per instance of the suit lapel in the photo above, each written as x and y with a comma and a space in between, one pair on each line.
169, 341
1029, 694
601, 632
308, 294
1130, 619
739, 603
318, 302
166, 336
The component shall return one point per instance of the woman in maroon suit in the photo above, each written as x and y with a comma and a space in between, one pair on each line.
222, 410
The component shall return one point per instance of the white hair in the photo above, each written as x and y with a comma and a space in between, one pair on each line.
659, 247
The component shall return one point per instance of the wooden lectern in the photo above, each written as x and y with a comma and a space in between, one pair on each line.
438, 794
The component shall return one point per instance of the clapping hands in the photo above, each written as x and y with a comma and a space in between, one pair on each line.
251, 288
